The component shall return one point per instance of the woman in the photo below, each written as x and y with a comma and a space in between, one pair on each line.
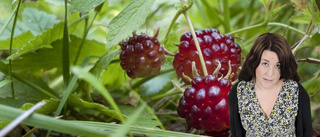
268, 100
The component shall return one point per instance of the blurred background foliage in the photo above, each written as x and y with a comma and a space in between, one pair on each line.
37, 49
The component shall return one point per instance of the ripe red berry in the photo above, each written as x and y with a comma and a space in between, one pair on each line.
214, 46
141, 55
204, 104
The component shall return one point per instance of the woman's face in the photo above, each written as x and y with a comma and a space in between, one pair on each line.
268, 71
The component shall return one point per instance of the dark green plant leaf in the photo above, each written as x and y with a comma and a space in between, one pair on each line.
75, 101
37, 21
129, 19
144, 120
45, 59
50, 106
17, 103
23, 92
84, 5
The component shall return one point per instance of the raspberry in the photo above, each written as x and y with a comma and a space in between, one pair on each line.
214, 46
204, 104
141, 55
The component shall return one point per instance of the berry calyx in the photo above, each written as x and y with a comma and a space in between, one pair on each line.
141, 55
214, 46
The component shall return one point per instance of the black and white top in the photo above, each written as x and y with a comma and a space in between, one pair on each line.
282, 117
289, 117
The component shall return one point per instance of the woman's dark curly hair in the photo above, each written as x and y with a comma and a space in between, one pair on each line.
276, 43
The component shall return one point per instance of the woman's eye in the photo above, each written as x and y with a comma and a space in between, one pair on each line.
278, 66
264, 64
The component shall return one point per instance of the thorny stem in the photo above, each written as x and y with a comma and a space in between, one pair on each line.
309, 60
10, 49
204, 68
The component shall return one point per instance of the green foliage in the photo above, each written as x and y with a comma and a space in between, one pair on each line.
100, 99
128, 20
84, 6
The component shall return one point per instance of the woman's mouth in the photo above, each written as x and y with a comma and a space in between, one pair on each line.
267, 80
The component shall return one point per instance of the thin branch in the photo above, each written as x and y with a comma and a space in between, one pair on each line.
316, 107
315, 93
309, 60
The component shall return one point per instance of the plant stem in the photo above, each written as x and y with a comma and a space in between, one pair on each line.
84, 36
7, 23
175, 19
65, 49
204, 68
226, 12
166, 95
10, 49
263, 24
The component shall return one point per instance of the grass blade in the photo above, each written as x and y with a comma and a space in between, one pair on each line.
4, 131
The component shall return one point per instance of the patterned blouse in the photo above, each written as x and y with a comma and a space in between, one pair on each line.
282, 117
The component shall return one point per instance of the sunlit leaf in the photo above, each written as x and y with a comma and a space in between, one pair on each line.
103, 63
50, 106
51, 58
18, 42
129, 19
75, 102
84, 5
41, 41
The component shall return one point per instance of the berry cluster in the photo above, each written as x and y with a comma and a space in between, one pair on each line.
214, 46
204, 104
141, 55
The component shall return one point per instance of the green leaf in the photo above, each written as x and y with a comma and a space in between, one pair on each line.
84, 5
88, 77
4, 123
18, 41
157, 84
50, 123
4, 82
17, 103
50, 106
121, 132
145, 119
41, 41
76, 102
83, 128
265, 3
37, 21
129, 19
45, 59
103, 63
20, 28
24, 91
